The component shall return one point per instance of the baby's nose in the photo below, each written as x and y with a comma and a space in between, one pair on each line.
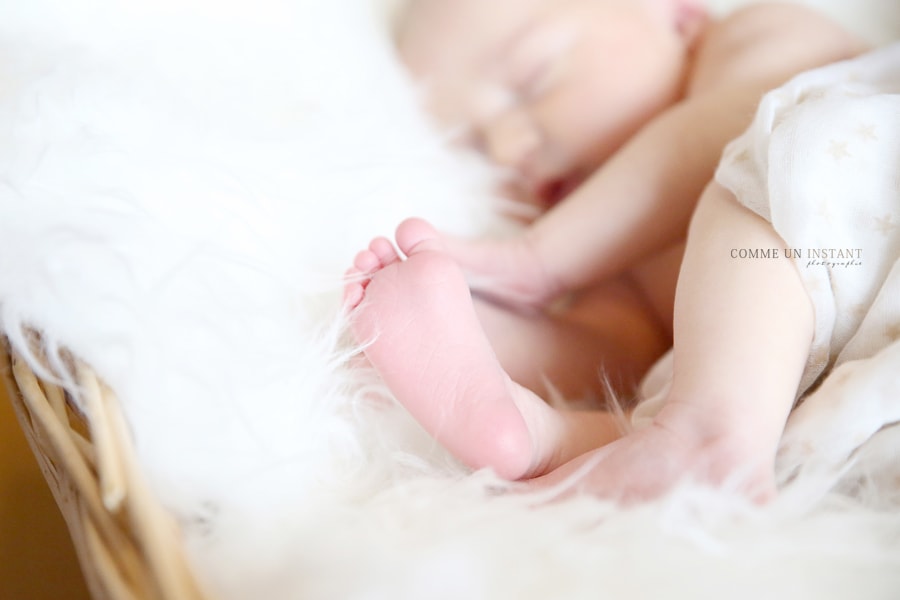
511, 139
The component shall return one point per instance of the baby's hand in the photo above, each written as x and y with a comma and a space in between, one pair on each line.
507, 271
651, 461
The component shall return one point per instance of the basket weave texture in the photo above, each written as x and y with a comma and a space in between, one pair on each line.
128, 545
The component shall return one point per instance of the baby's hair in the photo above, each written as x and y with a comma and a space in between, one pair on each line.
397, 12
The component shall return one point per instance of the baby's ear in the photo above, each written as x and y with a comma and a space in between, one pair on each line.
692, 19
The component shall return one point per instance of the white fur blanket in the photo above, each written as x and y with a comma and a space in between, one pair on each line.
183, 182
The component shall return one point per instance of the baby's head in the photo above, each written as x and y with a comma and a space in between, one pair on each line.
549, 88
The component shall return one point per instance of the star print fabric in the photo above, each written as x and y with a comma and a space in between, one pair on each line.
821, 163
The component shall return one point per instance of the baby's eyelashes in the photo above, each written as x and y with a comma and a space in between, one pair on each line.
537, 81
536, 62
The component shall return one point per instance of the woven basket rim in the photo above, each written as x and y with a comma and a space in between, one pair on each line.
129, 547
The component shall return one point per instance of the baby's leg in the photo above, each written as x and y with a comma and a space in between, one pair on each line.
743, 329
618, 326
604, 340
420, 331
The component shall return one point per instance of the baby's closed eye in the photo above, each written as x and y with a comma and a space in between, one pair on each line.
535, 82
536, 63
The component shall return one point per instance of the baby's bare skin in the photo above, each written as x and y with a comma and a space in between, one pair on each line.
428, 345
615, 244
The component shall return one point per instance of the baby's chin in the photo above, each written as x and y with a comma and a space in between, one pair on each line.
540, 196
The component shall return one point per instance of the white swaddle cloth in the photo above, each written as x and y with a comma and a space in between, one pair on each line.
821, 162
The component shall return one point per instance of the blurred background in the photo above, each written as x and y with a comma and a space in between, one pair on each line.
37, 560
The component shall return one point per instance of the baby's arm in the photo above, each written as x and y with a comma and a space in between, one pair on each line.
641, 200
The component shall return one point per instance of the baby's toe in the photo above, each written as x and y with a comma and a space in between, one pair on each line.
366, 262
354, 288
383, 249
416, 235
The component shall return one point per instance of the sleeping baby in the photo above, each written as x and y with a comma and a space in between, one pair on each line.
614, 115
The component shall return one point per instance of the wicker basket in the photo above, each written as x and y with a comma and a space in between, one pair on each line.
129, 547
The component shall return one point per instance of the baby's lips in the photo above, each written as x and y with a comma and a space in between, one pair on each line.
543, 193
515, 189
552, 191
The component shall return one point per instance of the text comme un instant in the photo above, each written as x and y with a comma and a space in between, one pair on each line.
808, 253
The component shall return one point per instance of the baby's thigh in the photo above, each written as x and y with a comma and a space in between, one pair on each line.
604, 331
623, 311
655, 278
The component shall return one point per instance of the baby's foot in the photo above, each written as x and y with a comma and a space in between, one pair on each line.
651, 461
418, 326
506, 270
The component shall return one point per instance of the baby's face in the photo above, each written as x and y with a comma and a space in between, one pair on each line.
549, 88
